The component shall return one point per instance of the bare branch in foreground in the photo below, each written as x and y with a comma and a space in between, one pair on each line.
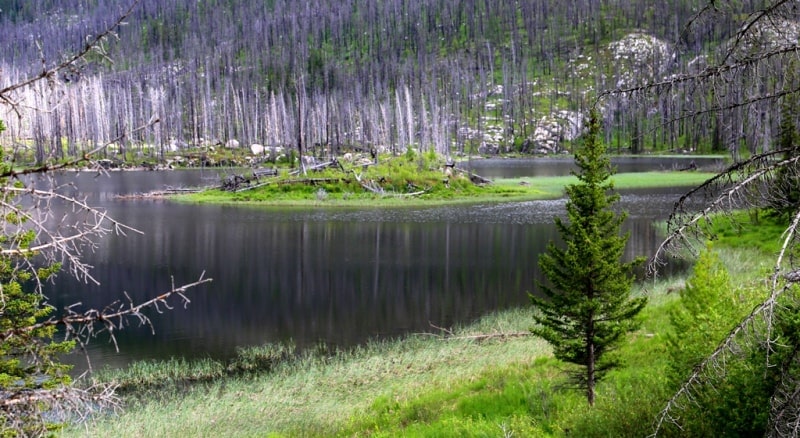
742, 185
449, 335
114, 317
757, 327
50, 73
27, 412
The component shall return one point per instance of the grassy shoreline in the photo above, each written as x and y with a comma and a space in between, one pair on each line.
501, 190
468, 382
488, 378
421, 385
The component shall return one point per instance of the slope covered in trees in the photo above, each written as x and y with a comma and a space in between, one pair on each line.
454, 75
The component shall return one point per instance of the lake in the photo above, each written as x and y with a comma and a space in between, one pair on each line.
318, 275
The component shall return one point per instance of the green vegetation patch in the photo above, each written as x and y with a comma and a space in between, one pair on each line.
756, 229
410, 180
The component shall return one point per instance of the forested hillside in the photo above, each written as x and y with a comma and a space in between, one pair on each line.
460, 76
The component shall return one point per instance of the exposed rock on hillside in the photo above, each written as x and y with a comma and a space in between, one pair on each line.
768, 35
554, 129
639, 57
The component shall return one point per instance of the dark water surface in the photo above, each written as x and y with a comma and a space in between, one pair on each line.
339, 276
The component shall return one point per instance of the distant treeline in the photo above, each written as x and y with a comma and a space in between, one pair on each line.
441, 74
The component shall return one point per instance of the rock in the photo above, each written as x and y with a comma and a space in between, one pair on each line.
175, 144
640, 58
488, 149
554, 129
772, 34
257, 149
232, 144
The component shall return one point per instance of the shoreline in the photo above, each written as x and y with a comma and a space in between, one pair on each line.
498, 191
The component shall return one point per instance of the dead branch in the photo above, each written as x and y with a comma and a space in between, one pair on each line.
51, 242
487, 336
758, 325
474, 177
449, 335
51, 73
112, 318
63, 404
741, 185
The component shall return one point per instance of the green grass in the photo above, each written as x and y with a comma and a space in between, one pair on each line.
315, 394
459, 191
755, 229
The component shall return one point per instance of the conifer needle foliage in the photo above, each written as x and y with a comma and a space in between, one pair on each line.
587, 308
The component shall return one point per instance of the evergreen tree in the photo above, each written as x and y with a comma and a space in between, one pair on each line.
588, 309
703, 316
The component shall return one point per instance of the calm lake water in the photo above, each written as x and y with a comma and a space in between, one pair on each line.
339, 276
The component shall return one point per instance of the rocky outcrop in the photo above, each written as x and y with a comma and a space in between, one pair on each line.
551, 131
232, 144
769, 35
257, 149
639, 57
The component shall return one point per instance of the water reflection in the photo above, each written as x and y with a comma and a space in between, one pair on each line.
334, 276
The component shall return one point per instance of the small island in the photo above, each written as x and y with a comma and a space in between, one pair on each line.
410, 179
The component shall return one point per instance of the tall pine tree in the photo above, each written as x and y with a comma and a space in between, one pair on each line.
587, 307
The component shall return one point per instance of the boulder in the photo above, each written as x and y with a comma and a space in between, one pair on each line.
257, 149
640, 57
232, 144
554, 129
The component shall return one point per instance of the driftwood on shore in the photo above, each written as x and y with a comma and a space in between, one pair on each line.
449, 335
169, 191
318, 167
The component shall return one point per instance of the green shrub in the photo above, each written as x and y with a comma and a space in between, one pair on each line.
704, 317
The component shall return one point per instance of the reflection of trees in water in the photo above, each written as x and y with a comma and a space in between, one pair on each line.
341, 277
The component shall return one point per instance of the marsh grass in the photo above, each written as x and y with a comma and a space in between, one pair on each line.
313, 393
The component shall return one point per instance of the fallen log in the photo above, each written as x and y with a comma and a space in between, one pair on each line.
450, 336
163, 193
321, 166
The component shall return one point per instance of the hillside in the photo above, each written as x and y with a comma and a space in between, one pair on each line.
458, 76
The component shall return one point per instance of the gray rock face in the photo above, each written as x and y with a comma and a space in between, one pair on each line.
640, 57
257, 149
232, 144
771, 34
554, 129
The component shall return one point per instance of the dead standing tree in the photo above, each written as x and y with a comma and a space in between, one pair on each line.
35, 244
737, 93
